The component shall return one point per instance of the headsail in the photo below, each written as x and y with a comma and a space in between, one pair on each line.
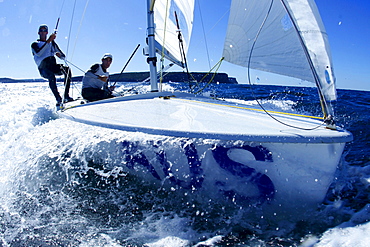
166, 31
278, 46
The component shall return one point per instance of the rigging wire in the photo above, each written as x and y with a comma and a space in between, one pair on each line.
70, 75
183, 55
249, 79
60, 13
146, 80
70, 26
79, 28
68, 62
204, 35
182, 49
217, 66
218, 21
67, 75
61, 9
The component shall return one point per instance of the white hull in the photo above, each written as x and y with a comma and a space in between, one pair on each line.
184, 115
231, 153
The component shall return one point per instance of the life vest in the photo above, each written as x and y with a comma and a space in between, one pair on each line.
91, 79
42, 50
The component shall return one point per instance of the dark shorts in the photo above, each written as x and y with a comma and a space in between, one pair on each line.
94, 94
49, 68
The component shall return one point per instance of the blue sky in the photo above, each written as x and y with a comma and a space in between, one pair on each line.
118, 26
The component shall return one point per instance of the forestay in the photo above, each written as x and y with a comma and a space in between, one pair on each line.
276, 46
166, 31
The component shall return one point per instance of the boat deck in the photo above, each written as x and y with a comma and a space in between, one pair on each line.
183, 115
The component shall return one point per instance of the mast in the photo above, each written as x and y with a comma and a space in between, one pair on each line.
152, 59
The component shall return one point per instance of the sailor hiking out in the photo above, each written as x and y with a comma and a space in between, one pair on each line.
44, 51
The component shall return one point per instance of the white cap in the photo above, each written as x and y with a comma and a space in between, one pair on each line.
106, 55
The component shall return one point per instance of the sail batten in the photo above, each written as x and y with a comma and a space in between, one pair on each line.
274, 40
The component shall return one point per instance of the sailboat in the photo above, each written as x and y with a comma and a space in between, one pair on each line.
233, 152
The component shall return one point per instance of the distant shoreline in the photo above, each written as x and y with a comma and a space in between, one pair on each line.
141, 76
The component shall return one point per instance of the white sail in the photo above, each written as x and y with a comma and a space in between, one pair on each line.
277, 47
166, 31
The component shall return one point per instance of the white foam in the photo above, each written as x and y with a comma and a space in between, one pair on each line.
169, 242
346, 237
29, 131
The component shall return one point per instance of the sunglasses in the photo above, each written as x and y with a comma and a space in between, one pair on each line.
43, 30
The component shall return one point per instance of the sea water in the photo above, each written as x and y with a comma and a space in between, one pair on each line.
62, 182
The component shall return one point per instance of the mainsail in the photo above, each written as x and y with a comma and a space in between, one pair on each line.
166, 30
285, 37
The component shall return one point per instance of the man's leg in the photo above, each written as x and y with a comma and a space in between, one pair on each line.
47, 74
54, 89
67, 81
